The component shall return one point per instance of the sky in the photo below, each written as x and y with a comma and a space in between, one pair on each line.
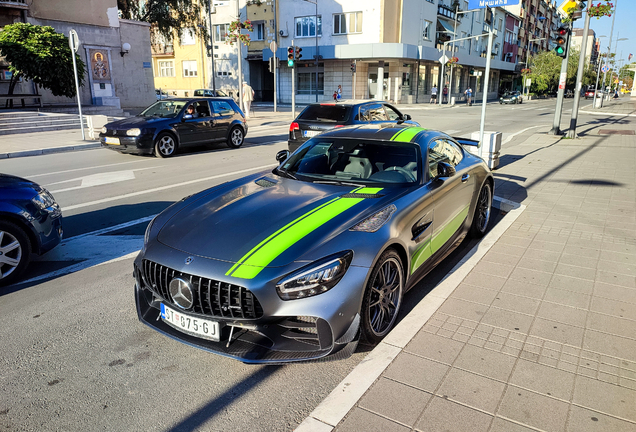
623, 27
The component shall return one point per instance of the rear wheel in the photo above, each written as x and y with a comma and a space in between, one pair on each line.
236, 138
382, 297
15, 252
481, 218
165, 145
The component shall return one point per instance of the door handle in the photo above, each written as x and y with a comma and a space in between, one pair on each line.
465, 178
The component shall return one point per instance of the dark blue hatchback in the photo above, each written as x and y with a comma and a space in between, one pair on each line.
30, 222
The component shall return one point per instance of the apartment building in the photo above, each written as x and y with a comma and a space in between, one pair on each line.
116, 51
591, 50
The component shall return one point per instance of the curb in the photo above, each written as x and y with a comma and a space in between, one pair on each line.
38, 152
326, 416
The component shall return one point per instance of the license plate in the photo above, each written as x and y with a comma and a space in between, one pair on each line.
114, 141
310, 133
187, 324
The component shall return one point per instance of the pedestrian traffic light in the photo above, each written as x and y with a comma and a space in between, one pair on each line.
290, 56
298, 53
271, 64
562, 41
353, 67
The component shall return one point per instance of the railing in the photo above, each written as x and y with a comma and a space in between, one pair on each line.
446, 12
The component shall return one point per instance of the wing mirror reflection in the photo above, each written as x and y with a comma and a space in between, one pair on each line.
445, 170
406, 117
186, 117
282, 156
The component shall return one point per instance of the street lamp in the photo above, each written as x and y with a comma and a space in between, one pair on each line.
457, 12
527, 60
598, 73
315, 55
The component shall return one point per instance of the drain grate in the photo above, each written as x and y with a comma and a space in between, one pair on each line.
615, 132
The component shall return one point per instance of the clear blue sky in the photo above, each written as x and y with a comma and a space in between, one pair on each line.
624, 26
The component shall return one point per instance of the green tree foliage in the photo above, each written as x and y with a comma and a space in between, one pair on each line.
169, 18
546, 69
41, 55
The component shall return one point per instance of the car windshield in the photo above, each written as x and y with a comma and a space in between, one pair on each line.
221, 93
166, 108
354, 161
326, 113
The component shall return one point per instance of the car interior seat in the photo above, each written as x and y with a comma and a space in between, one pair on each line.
203, 111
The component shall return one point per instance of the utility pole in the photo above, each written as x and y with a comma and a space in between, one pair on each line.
556, 125
294, 84
598, 73
609, 49
211, 52
579, 77
240, 58
482, 123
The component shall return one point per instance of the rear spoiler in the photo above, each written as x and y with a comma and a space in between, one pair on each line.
467, 142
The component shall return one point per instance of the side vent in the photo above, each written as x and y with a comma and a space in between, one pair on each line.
264, 182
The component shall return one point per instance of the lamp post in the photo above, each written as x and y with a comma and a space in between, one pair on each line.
609, 47
457, 12
598, 73
316, 54
527, 62
211, 45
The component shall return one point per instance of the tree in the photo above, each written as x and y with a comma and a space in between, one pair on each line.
545, 68
168, 17
41, 55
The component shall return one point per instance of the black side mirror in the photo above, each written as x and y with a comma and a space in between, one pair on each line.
406, 117
445, 170
282, 156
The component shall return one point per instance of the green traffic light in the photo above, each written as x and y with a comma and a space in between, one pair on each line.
559, 50
290, 63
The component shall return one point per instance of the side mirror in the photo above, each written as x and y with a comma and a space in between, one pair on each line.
406, 117
282, 156
186, 117
445, 169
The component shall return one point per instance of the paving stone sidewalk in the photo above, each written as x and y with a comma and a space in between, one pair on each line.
541, 334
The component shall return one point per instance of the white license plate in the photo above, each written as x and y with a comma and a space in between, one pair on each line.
114, 141
187, 324
310, 133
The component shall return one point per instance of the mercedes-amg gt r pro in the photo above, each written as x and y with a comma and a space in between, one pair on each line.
301, 262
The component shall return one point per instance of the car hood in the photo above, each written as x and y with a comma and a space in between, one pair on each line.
12, 182
134, 122
271, 219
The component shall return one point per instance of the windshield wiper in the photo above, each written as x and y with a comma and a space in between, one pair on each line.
285, 173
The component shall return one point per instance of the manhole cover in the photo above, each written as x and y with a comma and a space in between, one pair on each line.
615, 132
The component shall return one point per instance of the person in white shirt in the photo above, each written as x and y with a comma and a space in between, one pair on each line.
434, 94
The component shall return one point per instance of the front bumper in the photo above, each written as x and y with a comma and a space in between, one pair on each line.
143, 144
274, 331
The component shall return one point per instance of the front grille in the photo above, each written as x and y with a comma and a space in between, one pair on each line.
211, 297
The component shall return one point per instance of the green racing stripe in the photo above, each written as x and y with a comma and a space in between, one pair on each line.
407, 134
252, 263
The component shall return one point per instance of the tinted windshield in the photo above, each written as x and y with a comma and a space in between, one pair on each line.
363, 162
325, 113
166, 108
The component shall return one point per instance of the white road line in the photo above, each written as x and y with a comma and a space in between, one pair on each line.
110, 180
452, 131
82, 169
143, 192
507, 140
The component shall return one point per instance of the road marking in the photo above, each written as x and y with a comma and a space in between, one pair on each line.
543, 109
99, 179
82, 169
452, 131
147, 191
507, 140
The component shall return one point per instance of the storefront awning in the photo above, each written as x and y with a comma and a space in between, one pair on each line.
446, 25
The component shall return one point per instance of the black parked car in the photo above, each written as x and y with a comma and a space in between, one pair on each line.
166, 125
30, 221
319, 117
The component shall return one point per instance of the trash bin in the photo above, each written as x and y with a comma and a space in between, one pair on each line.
490, 148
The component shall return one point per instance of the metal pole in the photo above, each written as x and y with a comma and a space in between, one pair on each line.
450, 84
482, 123
316, 62
77, 91
579, 77
598, 73
556, 124
355, 73
211, 45
240, 59
609, 48
275, 87
293, 87
439, 91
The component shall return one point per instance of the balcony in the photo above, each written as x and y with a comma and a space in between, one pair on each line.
163, 50
14, 4
447, 12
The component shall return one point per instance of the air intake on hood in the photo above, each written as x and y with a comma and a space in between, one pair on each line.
361, 195
264, 182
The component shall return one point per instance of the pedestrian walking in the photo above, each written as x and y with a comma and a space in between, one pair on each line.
339, 93
434, 94
469, 95
445, 94
248, 97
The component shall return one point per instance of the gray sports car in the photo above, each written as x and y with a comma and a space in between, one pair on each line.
301, 262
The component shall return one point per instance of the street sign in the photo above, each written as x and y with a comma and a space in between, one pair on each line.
562, 80
273, 47
481, 4
605, 69
73, 40
528, 82
566, 7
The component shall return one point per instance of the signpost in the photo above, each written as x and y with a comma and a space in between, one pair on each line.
73, 42
273, 47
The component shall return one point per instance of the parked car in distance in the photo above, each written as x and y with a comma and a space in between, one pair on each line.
209, 93
589, 93
30, 222
303, 261
513, 97
319, 117
165, 126
161, 95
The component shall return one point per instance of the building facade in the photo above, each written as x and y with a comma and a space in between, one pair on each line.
591, 49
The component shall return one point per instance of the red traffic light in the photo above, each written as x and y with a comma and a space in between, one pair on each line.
290, 53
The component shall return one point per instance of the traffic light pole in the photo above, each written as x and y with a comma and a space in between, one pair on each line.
556, 125
293, 84
579, 77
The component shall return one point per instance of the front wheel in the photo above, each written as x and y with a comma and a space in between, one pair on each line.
481, 217
15, 252
382, 297
236, 138
165, 145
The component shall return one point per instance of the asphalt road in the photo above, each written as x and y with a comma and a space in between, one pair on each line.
75, 356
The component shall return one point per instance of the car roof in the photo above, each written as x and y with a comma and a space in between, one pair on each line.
390, 132
350, 102
197, 99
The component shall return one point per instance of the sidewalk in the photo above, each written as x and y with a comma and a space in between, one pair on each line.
540, 333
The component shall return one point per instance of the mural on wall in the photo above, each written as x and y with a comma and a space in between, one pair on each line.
100, 68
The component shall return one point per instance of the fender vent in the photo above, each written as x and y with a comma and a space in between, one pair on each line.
263, 182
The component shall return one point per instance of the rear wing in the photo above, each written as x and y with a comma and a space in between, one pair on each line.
467, 142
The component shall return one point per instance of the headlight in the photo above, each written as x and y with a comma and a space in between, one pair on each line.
315, 278
104, 130
375, 221
43, 200
133, 132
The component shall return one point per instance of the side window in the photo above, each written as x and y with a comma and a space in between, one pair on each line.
392, 113
222, 108
376, 113
202, 109
364, 113
442, 150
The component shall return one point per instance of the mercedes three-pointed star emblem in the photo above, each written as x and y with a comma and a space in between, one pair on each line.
181, 293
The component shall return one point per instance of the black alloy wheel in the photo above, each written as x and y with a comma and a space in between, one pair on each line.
382, 297
236, 138
165, 145
481, 217
15, 252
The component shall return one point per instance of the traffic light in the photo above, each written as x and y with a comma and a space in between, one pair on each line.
290, 56
562, 41
298, 53
353, 67
271, 64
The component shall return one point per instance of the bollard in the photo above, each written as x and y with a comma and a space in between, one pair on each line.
491, 148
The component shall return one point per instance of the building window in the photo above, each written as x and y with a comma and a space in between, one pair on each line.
426, 31
350, 22
259, 31
166, 68
189, 68
220, 32
306, 26
464, 35
188, 37
500, 24
307, 83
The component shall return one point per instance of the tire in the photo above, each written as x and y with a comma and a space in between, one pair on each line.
236, 137
165, 145
483, 208
382, 302
15, 252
